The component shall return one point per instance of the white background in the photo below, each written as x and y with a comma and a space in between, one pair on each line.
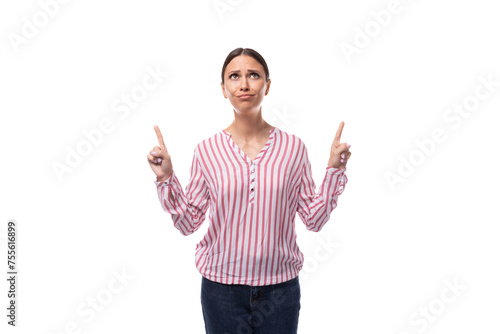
396, 247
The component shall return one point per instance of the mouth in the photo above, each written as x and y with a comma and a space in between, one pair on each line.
245, 96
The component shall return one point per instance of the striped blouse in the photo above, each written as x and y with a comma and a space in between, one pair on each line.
251, 236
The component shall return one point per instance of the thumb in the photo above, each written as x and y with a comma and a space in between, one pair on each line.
342, 148
158, 153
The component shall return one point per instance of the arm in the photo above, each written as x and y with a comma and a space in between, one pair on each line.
186, 208
314, 208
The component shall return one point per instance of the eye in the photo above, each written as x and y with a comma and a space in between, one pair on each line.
253, 73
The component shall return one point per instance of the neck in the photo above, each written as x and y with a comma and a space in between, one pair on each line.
249, 126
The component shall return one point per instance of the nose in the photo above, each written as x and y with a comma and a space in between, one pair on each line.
244, 84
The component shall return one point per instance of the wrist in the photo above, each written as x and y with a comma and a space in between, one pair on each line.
163, 179
337, 167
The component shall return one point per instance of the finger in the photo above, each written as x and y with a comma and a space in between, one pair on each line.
338, 134
157, 152
157, 149
152, 159
341, 148
347, 158
160, 137
345, 155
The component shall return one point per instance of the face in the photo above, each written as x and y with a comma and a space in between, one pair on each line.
245, 76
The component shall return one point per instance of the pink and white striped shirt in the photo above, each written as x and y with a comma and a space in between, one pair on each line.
251, 236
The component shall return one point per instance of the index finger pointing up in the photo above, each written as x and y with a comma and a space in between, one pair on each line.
160, 137
339, 133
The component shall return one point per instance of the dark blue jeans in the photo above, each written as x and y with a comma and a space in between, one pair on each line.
245, 309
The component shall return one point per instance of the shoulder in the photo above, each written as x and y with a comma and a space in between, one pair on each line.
291, 138
209, 143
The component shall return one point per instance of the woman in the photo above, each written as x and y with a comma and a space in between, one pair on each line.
255, 178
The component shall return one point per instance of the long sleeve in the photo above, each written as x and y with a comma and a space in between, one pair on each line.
314, 208
187, 209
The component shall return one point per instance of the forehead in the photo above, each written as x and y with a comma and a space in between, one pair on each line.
243, 62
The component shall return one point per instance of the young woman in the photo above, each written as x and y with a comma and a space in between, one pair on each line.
255, 178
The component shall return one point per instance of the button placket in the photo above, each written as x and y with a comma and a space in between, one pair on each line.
252, 182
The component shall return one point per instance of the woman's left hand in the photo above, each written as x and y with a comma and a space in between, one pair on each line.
339, 153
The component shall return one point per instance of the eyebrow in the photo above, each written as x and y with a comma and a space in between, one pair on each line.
249, 70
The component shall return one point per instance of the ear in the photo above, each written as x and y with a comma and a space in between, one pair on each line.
223, 90
268, 85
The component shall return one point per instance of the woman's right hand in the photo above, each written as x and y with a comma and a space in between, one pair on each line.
159, 159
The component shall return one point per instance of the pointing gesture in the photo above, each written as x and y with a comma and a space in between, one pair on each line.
159, 159
160, 137
339, 152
